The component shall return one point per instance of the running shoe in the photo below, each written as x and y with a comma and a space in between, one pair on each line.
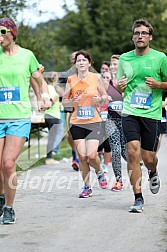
154, 183
118, 186
8, 216
137, 206
51, 161
105, 168
75, 165
86, 193
102, 180
2, 203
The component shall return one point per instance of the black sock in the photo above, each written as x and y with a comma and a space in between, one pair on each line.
151, 174
138, 195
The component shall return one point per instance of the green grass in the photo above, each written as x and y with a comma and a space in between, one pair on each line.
25, 163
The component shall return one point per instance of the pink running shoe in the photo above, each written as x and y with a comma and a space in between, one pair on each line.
118, 186
75, 165
102, 180
86, 193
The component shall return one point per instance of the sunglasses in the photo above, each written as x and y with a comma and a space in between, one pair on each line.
4, 31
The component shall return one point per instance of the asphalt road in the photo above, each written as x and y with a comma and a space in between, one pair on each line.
51, 217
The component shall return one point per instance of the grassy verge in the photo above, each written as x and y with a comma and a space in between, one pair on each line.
25, 163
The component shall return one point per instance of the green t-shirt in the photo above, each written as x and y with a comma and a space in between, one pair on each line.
140, 100
15, 72
55, 109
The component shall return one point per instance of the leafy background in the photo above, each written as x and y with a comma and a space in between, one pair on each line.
101, 27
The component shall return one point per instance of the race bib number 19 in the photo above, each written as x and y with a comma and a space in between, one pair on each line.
9, 95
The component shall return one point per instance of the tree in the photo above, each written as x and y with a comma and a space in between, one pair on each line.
101, 27
11, 8
104, 27
43, 41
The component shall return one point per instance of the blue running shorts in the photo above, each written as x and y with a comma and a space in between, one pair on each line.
18, 128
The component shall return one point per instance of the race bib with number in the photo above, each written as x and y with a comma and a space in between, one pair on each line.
103, 115
115, 105
85, 112
9, 95
141, 100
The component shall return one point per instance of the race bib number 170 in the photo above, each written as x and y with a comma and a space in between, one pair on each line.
141, 100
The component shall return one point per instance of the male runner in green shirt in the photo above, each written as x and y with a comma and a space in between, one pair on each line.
141, 73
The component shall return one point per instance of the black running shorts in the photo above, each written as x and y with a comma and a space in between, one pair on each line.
143, 129
86, 131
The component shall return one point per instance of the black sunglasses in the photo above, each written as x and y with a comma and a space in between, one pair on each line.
4, 31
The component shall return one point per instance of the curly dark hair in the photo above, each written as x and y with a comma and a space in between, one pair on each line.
85, 54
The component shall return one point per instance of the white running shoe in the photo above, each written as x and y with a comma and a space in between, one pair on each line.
51, 161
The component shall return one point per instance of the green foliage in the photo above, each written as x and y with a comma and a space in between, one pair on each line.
44, 42
101, 27
10, 8
104, 27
